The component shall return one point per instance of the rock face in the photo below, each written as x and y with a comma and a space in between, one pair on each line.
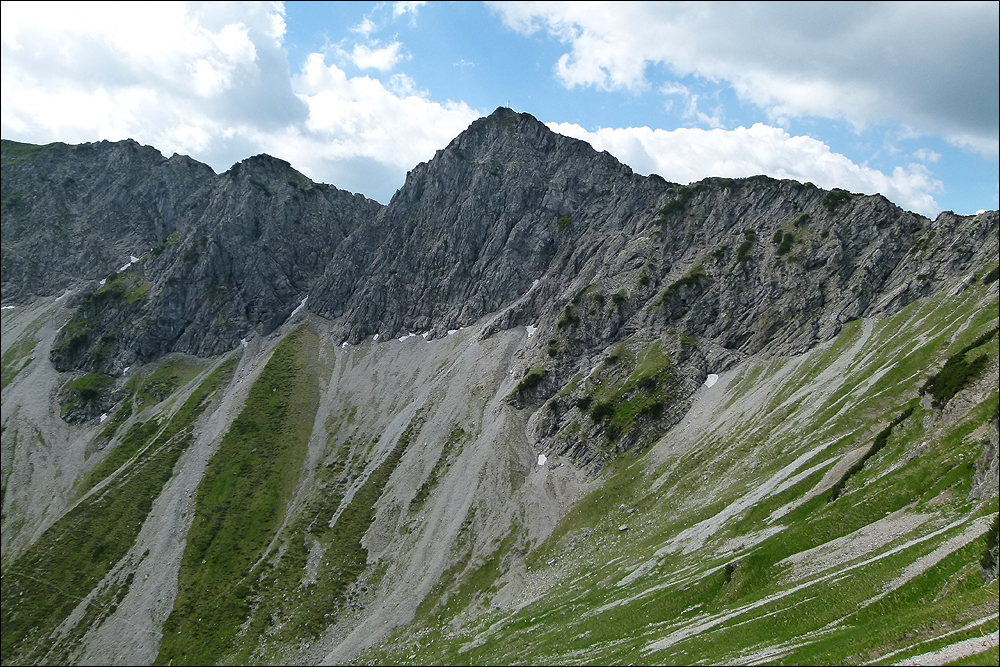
78, 212
509, 218
512, 215
219, 258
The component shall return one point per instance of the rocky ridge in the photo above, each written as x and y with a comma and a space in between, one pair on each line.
509, 218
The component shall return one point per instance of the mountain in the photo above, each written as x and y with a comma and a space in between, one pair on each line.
538, 408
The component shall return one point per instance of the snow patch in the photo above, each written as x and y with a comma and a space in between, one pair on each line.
298, 308
531, 331
243, 342
375, 337
452, 331
125, 370
542, 459
711, 379
102, 282
132, 259
102, 418
344, 345
535, 283
7, 307
426, 334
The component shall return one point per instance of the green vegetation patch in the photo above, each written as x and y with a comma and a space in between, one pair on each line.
18, 356
15, 150
988, 560
642, 396
302, 587
531, 379
140, 435
240, 504
877, 445
784, 242
957, 372
693, 278
85, 393
455, 439
569, 318
682, 195
167, 377
835, 198
47, 582
745, 249
108, 432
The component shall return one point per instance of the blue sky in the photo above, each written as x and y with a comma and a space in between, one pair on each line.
897, 98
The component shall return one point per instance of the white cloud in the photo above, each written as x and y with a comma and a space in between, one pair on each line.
406, 7
366, 27
360, 117
175, 76
212, 81
926, 155
382, 59
858, 62
691, 154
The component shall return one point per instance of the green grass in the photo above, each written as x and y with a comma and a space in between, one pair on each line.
531, 379
164, 379
84, 392
73, 556
240, 503
140, 435
919, 464
18, 356
16, 150
282, 593
453, 443
643, 395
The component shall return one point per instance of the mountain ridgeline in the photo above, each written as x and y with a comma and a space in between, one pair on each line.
509, 217
449, 412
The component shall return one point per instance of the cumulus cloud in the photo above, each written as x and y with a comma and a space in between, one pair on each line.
171, 75
213, 81
366, 27
406, 7
361, 134
380, 58
690, 154
932, 67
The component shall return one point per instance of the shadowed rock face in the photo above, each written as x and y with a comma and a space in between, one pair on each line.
221, 257
510, 218
78, 212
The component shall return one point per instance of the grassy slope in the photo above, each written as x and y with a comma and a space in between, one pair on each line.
240, 503
74, 555
726, 602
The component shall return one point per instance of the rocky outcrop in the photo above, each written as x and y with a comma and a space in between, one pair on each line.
510, 218
239, 257
511, 215
77, 213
